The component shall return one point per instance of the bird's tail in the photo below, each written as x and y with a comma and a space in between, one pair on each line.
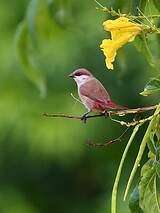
112, 105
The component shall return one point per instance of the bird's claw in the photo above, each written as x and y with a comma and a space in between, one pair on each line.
105, 113
84, 118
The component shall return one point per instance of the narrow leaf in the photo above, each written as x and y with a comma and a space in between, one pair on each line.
140, 152
158, 168
151, 143
115, 187
141, 43
152, 87
157, 182
22, 45
39, 21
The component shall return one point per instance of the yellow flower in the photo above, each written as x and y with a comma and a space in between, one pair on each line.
122, 31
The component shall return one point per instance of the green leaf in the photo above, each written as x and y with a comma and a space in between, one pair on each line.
158, 130
23, 51
39, 26
148, 192
134, 201
152, 87
39, 21
158, 189
157, 165
151, 143
140, 152
141, 43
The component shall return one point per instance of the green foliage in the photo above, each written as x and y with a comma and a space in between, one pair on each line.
134, 201
39, 21
152, 87
44, 164
37, 28
141, 44
115, 187
24, 53
151, 142
145, 43
145, 197
36, 24
158, 171
149, 191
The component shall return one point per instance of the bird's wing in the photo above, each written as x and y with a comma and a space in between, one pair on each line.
94, 90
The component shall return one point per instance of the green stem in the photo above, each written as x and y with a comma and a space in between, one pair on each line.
115, 13
141, 151
115, 187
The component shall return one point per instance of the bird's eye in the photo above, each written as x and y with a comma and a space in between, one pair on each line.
78, 74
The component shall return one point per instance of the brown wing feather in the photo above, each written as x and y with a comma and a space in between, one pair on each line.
94, 90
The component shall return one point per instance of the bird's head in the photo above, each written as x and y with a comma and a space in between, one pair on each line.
81, 76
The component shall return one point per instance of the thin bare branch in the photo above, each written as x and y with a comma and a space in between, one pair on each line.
98, 145
112, 12
72, 116
106, 114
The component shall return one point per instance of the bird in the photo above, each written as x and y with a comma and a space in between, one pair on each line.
92, 93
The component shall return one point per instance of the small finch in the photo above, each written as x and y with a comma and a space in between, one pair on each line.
92, 93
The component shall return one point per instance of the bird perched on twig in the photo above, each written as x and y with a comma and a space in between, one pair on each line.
92, 93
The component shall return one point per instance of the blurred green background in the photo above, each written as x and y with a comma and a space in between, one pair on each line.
45, 164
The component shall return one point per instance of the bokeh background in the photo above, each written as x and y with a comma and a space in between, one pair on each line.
45, 164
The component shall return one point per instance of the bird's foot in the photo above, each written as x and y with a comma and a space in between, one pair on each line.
84, 118
105, 113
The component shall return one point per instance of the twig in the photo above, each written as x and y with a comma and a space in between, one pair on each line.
71, 116
98, 145
99, 4
76, 98
106, 114
112, 12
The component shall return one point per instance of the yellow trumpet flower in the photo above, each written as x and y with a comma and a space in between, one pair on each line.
122, 31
